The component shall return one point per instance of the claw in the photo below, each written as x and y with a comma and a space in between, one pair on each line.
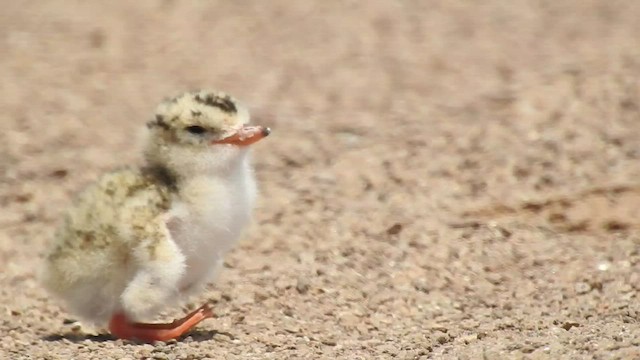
122, 328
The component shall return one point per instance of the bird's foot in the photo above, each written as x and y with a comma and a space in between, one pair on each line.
122, 328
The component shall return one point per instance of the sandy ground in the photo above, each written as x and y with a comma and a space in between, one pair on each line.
447, 180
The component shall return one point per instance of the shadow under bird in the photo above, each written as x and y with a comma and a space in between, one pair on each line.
140, 239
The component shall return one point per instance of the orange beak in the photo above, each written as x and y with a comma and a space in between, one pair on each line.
247, 135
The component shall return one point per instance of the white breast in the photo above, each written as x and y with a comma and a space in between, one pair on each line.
207, 221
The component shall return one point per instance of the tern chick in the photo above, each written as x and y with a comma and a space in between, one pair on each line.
140, 239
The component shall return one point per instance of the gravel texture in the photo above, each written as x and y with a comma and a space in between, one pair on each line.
447, 180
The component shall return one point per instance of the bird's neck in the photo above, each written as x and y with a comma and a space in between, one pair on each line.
177, 177
162, 175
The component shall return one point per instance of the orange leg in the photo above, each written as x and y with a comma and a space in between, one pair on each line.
122, 328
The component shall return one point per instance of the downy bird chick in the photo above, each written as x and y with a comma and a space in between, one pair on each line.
141, 238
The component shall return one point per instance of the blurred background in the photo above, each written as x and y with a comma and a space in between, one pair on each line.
444, 178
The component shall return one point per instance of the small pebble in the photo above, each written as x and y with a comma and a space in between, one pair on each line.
582, 288
302, 285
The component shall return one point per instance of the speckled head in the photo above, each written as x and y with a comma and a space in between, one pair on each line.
200, 123
204, 118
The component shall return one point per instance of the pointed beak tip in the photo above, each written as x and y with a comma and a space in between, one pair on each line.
266, 131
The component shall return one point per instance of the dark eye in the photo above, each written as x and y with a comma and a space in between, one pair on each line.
195, 129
